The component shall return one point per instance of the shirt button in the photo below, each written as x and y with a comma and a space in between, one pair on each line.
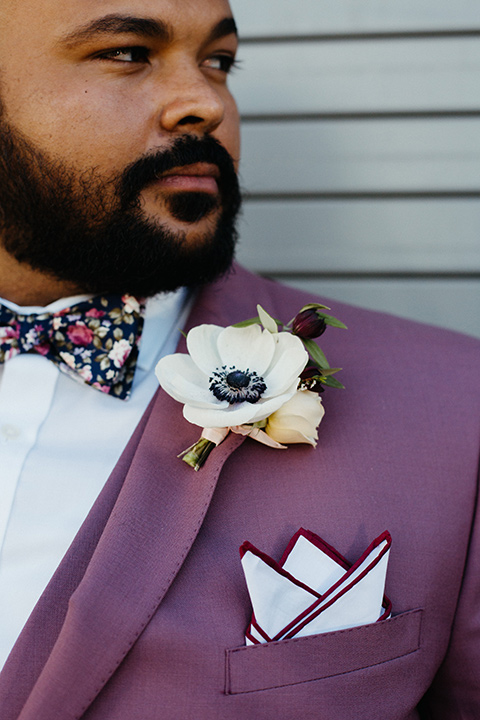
9, 432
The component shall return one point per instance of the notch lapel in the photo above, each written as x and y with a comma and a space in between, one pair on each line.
120, 565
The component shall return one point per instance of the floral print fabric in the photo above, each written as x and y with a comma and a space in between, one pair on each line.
95, 342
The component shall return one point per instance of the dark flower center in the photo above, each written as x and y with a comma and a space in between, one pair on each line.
238, 380
237, 386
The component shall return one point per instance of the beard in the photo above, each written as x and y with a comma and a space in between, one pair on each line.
92, 232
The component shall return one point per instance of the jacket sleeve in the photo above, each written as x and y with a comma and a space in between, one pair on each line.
455, 691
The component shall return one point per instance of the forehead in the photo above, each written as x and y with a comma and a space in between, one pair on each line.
57, 17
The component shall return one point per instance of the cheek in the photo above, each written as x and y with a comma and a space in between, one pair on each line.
82, 125
228, 133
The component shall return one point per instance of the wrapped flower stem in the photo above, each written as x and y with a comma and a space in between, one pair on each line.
197, 454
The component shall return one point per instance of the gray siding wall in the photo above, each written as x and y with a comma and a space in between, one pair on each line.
361, 151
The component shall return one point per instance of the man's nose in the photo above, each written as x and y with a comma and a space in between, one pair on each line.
189, 100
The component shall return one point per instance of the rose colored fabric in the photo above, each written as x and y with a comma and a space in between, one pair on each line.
145, 617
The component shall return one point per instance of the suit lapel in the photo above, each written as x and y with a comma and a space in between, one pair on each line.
119, 567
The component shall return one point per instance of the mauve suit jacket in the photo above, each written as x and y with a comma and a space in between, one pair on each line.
145, 617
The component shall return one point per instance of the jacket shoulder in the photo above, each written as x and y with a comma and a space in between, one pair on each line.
247, 289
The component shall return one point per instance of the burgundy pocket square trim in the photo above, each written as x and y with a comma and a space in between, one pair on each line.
348, 578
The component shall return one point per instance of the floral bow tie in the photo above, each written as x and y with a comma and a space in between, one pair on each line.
95, 342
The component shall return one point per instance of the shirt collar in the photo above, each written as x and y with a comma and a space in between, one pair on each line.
55, 306
165, 316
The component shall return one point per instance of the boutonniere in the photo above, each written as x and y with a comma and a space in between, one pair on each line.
259, 378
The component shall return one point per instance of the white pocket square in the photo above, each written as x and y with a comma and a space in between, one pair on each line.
313, 589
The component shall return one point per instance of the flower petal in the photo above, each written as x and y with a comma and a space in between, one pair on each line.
270, 405
288, 362
238, 414
297, 420
202, 346
180, 377
298, 432
249, 347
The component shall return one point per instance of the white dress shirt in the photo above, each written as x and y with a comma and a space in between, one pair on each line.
59, 441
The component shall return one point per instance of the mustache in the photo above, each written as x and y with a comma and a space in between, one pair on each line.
185, 150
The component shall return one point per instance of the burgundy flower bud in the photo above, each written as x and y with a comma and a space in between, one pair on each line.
308, 380
307, 324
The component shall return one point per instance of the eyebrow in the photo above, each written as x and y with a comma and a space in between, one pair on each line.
222, 29
142, 27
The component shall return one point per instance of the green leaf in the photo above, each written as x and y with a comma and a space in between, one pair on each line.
330, 371
317, 355
333, 383
247, 323
313, 306
330, 320
267, 320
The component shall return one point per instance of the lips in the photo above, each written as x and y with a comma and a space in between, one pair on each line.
198, 177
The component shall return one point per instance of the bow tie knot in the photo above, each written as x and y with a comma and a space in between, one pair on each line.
95, 341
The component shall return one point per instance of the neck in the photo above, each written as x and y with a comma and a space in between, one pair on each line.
25, 286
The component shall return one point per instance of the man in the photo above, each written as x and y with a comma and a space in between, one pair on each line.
118, 155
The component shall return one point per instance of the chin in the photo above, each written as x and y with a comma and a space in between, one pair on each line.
195, 233
193, 230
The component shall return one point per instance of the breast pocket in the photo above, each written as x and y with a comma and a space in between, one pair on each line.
288, 662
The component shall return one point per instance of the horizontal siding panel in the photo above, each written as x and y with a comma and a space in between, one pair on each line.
361, 152
362, 156
447, 303
285, 17
361, 236
342, 77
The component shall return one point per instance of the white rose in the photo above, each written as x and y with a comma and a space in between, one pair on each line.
233, 376
297, 420
120, 352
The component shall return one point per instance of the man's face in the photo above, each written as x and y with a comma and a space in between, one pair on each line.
95, 92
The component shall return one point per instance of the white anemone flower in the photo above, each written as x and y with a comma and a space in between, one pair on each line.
233, 376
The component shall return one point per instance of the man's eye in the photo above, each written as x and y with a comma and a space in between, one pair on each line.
126, 55
224, 63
